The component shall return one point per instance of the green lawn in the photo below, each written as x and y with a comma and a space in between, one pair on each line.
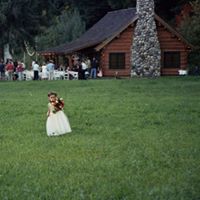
135, 139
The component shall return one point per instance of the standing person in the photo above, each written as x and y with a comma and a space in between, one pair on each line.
94, 67
57, 122
36, 69
15, 63
19, 70
80, 70
10, 70
50, 68
84, 69
45, 73
88, 63
15, 74
2, 69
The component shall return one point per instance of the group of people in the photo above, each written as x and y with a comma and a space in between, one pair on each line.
11, 70
86, 68
15, 70
46, 69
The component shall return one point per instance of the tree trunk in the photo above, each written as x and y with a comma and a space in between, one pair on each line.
7, 54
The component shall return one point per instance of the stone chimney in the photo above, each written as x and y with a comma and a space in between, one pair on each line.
146, 53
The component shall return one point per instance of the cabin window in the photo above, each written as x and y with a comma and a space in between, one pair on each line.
171, 59
117, 60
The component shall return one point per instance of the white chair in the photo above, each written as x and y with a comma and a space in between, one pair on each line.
24, 76
66, 76
28, 75
56, 75
73, 74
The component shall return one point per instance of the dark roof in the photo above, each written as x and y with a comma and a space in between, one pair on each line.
109, 25
54, 49
105, 30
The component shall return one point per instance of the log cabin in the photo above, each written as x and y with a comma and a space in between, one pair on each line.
110, 40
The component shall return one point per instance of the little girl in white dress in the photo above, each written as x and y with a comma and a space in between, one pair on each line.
57, 122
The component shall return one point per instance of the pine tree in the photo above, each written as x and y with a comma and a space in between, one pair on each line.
22, 20
66, 27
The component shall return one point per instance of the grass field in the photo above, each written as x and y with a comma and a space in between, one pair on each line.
133, 139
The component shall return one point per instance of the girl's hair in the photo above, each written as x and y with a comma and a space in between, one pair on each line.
52, 93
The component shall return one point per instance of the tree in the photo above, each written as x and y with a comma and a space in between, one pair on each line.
66, 27
22, 20
190, 28
91, 11
121, 4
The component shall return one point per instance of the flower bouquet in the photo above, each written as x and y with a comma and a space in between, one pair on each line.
58, 105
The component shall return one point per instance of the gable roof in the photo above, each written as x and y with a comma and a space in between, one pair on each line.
109, 25
105, 30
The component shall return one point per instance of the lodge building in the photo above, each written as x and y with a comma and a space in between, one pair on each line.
110, 39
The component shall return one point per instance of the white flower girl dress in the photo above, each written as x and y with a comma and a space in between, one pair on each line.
57, 122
